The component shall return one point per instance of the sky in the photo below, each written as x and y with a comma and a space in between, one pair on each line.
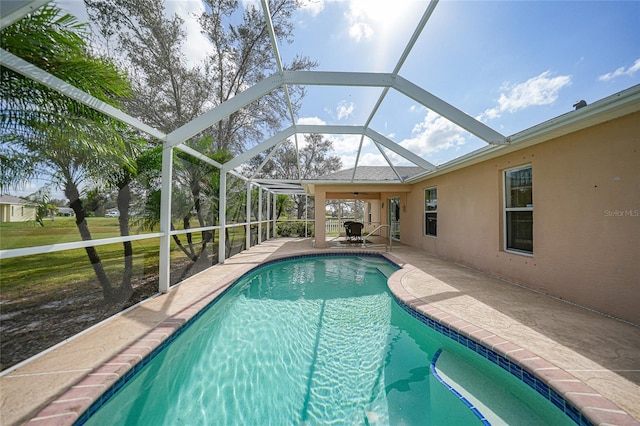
508, 64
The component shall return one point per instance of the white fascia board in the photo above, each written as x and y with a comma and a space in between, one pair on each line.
350, 182
609, 108
400, 150
249, 154
280, 185
13, 11
29, 70
266, 181
448, 111
337, 78
225, 109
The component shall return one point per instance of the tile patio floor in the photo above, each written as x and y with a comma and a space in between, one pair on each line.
601, 352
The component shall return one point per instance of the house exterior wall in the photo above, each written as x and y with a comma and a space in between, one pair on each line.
17, 213
586, 218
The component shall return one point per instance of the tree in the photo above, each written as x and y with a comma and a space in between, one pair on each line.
242, 56
44, 205
315, 161
170, 91
46, 133
149, 45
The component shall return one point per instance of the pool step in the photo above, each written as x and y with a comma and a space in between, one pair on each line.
491, 398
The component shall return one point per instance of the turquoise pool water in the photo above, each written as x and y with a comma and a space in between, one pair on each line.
319, 341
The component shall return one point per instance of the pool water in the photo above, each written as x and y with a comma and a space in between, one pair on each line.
317, 341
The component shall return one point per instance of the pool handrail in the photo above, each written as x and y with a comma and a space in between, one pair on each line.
388, 247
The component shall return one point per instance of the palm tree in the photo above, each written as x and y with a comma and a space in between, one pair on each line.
46, 133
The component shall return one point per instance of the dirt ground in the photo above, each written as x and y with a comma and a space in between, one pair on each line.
29, 326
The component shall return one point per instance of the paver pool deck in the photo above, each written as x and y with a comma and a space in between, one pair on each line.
593, 359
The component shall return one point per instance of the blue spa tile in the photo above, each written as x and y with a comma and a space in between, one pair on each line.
584, 421
481, 350
503, 362
477, 413
472, 345
557, 399
516, 370
542, 389
558, 403
529, 378
572, 413
468, 404
513, 368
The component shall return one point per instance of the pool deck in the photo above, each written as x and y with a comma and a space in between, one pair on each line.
593, 360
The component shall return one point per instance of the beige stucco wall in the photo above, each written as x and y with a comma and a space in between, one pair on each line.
586, 189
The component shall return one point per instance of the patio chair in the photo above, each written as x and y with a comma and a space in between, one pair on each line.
354, 231
346, 229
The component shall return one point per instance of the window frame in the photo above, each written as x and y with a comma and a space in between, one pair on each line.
506, 210
428, 212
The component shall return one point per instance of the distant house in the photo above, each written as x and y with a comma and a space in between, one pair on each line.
15, 209
65, 211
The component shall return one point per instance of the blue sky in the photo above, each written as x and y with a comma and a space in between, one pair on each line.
510, 64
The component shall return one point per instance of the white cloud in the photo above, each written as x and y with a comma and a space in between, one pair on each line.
246, 4
345, 109
311, 120
621, 72
540, 90
433, 134
369, 18
197, 47
346, 147
313, 7
372, 159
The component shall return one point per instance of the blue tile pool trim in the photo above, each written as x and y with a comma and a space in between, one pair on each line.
466, 402
119, 384
506, 364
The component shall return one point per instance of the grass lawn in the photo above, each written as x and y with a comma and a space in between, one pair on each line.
61, 230
43, 273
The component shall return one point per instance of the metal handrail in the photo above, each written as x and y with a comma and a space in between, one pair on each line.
364, 240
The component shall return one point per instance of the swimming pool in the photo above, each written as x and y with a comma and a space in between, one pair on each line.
319, 340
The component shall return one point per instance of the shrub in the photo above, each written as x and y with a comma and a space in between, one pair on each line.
294, 229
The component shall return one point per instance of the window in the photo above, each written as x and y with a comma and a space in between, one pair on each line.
518, 209
431, 211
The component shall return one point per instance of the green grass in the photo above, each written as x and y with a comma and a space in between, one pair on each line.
61, 230
30, 277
